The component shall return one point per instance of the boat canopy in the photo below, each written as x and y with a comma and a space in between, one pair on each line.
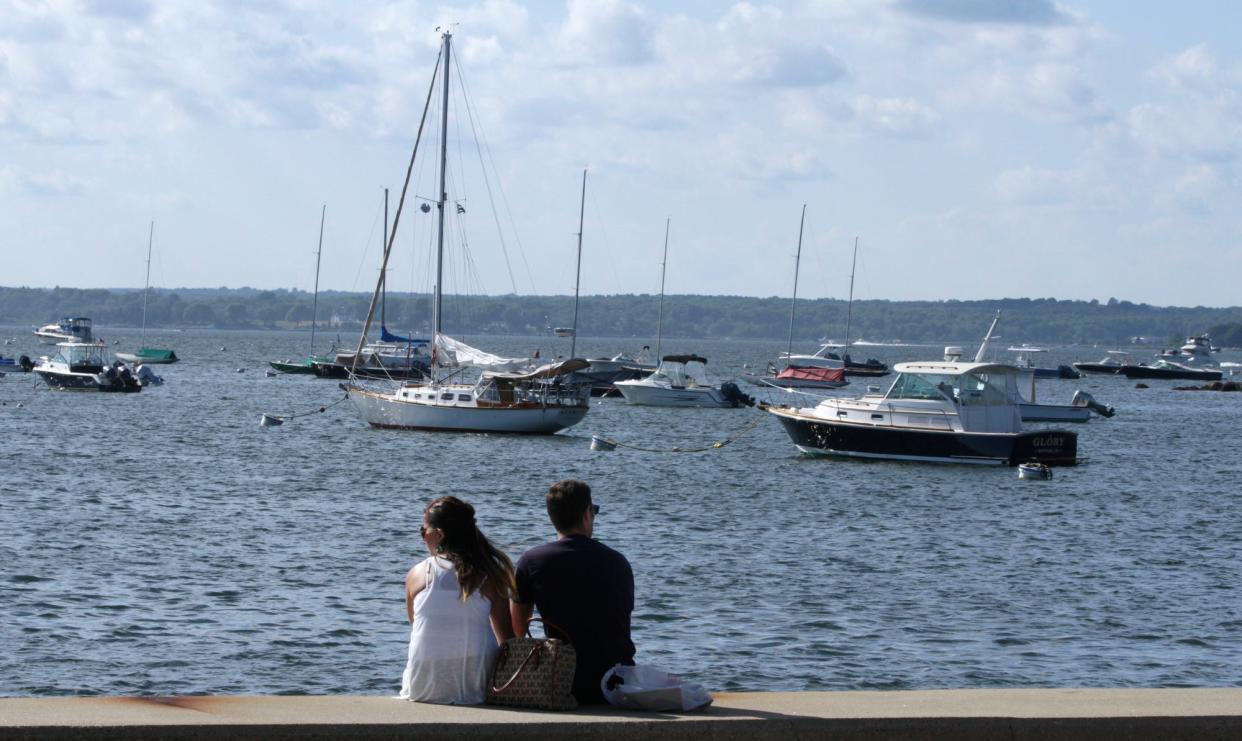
684, 359
451, 353
386, 336
811, 373
549, 370
81, 353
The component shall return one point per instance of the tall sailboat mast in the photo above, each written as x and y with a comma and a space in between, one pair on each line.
437, 319
793, 304
146, 287
849, 308
660, 310
384, 273
573, 344
318, 255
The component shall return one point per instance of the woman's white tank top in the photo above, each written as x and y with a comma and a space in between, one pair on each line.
452, 646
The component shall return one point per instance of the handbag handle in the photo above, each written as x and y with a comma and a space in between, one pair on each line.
546, 627
504, 651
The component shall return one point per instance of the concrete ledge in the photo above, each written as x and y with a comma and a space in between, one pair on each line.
934, 714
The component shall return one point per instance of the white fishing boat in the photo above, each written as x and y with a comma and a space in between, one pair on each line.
1197, 350
84, 366
503, 399
681, 381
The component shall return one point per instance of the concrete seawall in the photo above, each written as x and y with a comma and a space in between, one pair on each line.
933, 714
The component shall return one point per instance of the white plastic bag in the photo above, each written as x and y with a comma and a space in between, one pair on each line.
645, 688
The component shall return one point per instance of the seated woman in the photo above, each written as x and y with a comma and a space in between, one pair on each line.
457, 602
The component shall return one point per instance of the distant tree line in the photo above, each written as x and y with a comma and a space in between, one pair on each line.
1042, 320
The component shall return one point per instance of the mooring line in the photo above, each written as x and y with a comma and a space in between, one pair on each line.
609, 444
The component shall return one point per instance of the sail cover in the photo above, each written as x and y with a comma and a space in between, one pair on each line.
450, 353
386, 336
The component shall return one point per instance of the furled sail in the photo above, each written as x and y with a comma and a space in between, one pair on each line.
453, 353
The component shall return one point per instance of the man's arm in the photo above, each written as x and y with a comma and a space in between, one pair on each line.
519, 615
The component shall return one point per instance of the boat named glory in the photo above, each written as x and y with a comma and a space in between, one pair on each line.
948, 412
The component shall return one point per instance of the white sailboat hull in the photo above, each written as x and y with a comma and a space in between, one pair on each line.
387, 411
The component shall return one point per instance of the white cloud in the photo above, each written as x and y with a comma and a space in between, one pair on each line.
1192, 68
904, 117
605, 32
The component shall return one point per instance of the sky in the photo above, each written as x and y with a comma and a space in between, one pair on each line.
973, 149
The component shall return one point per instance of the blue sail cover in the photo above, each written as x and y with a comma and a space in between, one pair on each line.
386, 336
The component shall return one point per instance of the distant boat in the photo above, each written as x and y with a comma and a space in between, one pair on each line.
145, 355
306, 366
1165, 369
69, 329
1024, 357
1111, 363
1197, 350
563, 331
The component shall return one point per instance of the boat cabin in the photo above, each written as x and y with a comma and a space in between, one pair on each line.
81, 357
984, 395
682, 371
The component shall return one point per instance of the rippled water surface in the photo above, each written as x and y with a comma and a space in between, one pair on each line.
165, 543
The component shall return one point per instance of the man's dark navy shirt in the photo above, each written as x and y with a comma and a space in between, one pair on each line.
585, 589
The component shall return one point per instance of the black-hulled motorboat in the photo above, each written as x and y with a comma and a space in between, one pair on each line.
1169, 370
946, 412
1110, 365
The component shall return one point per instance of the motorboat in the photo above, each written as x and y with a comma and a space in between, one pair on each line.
1110, 364
799, 377
828, 357
563, 331
69, 329
84, 366
681, 381
1024, 357
602, 374
1167, 369
1196, 350
947, 412
397, 360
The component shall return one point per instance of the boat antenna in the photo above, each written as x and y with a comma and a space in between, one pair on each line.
147, 285
573, 344
849, 308
793, 305
987, 338
318, 254
366, 327
660, 310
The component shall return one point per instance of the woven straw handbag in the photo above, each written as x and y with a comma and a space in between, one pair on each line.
534, 673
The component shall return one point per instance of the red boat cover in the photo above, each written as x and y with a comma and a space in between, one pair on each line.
811, 373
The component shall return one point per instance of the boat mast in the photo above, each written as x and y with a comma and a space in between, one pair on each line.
660, 311
849, 308
793, 305
573, 344
987, 339
315, 303
437, 319
396, 219
384, 273
147, 285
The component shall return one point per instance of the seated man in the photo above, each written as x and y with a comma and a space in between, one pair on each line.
583, 589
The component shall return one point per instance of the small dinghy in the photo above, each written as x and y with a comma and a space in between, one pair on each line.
271, 420
1034, 471
599, 443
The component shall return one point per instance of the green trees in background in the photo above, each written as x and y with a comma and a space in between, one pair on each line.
1042, 320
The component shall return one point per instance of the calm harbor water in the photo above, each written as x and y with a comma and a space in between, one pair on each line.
165, 543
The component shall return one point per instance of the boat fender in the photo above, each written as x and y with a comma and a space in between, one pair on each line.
735, 395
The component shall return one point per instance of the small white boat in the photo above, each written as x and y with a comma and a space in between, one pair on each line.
1196, 350
1034, 471
681, 381
69, 329
84, 366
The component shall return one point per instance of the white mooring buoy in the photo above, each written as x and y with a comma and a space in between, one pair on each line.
270, 420
599, 443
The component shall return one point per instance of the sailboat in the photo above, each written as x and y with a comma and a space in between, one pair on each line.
826, 356
148, 355
602, 373
679, 380
503, 399
307, 365
794, 375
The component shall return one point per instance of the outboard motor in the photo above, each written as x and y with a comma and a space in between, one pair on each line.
147, 377
1084, 399
1068, 372
735, 395
26, 363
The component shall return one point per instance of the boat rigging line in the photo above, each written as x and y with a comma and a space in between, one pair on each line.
603, 443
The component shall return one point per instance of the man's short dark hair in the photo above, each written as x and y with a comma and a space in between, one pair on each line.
567, 501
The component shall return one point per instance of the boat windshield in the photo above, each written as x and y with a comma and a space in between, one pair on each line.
679, 375
82, 355
933, 386
987, 389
